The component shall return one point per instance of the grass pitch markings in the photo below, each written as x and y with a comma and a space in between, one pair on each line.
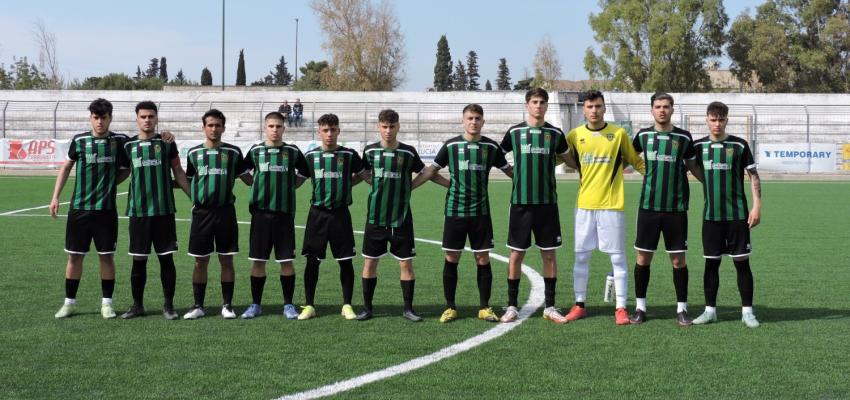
64, 203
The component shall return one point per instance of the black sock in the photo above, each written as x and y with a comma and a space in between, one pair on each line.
346, 280
107, 287
227, 292
199, 291
450, 282
168, 277
580, 304
407, 293
484, 276
369, 285
680, 282
711, 281
513, 292
71, 286
311, 279
745, 282
549, 291
138, 279
287, 285
257, 285
641, 280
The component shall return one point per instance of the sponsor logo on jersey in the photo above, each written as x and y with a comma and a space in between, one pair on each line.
382, 173
94, 159
591, 159
654, 156
529, 149
267, 167
465, 165
205, 170
709, 165
321, 173
138, 162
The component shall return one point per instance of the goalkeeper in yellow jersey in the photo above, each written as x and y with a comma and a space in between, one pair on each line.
600, 151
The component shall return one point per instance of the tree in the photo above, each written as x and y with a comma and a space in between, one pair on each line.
365, 43
206, 77
153, 69
5, 79
25, 76
180, 79
657, 44
280, 75
793, 46
488, 86
443, 68
524, 84
547, 65
240, 69
503, 76
47, 60
472, 70
460, 81
163, 70
313, 76
138, 76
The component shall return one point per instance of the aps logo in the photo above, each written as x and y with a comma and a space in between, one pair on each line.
32, 150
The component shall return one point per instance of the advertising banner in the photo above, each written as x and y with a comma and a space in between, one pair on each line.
796, 157
33, 153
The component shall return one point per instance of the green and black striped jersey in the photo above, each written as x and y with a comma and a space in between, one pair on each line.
150, 193
535, 149
389, 196
97, 160
275, 171
723, 164
665, 185
469, 173
212, 173
330, 172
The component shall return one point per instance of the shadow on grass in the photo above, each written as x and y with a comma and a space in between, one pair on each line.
725, 313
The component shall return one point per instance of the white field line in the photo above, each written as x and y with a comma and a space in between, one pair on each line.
7, 213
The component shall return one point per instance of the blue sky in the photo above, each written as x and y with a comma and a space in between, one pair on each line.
96, 37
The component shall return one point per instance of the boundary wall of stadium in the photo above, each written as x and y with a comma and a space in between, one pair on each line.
789, 133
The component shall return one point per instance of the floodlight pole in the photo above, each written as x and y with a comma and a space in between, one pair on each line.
222, 45
296, 50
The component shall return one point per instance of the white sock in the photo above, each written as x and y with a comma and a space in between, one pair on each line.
710, 309
681, 307
70, 302
580, 271
746, 310
641, 304
621, 278
106, 301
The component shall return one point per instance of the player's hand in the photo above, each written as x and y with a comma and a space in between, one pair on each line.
167, 136
54, 207
754, 218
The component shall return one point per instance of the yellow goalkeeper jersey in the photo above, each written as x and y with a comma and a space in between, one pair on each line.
601, 156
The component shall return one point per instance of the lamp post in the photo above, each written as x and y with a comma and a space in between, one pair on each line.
296, 50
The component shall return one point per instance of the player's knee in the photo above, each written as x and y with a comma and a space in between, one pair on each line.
453, 256
645, 258
482, 258
678, 260
582, 257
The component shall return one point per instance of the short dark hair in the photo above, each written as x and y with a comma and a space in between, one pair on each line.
660, 96
388, 116
328, 120
717, 108
146, 105
215, 114
100, 107
539, 92
593, 95
474, 108
274, 115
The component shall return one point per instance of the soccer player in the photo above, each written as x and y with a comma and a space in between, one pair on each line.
150, 207
389, 165
278, 169
663, 207
726, 221
469, 158
599, 150
97, 155
534, 201
212, 168
332, 169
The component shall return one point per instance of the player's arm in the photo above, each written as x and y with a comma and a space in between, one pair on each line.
61, 179
299, 180
631, 156
247, 178
179, 175
755, 185
694, 167
167, 136
122, 175
424, 175
364, 176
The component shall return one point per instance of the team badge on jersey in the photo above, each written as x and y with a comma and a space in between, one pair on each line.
224, 157
113, 145
156, 148
399, 160
484, 152
609, 136
730, 152
547, 137
675, 145
340, 161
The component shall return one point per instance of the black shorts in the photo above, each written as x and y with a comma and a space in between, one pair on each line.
542, 219
650, 225
84, 226
270, 229
402, 247
159, 231
730, 238
329, 225
479, 229
213, 230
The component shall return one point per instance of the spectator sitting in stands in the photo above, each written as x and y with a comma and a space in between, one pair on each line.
286, 110
297, 112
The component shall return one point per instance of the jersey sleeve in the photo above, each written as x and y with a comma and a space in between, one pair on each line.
442, 158
561, 147
125, 159
629, 154
308, 159
507, 144
416, 164
499, 161
367, 165
356, 163
638, 146
301, 165
249, 161
241, 165
73, 154
190, 167
173, 151
747, 158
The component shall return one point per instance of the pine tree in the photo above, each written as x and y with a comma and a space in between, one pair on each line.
180, 79
206, 77
503, 76
472, 70
138, 76
443, 67
488, 86
153, 69
460, 80
281, 74
163, 70
240, 69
